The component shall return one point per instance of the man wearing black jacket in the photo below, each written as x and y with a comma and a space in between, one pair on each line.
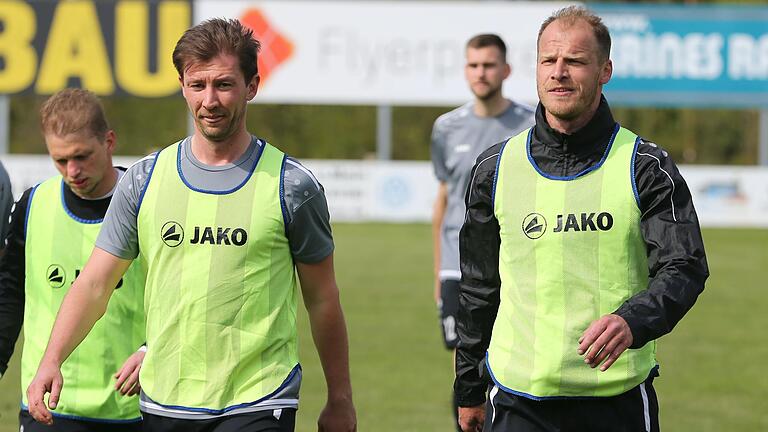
580, 247
53, 228
6, 202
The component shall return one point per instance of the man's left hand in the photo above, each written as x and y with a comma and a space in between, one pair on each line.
127, 378
604, 341
338, 416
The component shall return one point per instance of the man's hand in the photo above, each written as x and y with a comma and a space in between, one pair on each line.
605, 340
338, 416
47, 380
472, 419
128, 375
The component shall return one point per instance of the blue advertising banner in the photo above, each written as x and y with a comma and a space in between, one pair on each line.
695, 56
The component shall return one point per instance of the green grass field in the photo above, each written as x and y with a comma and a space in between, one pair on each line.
712, 366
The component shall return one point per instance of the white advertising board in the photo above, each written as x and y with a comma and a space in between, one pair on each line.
729, 196
398, 53
724, 196
403, 191
26, 171
376, 190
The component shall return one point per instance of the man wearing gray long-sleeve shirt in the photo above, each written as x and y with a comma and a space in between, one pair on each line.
458, 137
222, 222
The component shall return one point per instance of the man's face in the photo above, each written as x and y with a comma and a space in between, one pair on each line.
485, 71
569, 73
217, 94
83, 160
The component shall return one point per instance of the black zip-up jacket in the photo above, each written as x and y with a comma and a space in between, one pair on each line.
677, 264
12, 265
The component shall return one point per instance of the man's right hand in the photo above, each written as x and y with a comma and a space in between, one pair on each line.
338, 416
472, 419
47, 380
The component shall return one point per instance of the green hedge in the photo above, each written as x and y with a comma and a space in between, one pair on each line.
349, 132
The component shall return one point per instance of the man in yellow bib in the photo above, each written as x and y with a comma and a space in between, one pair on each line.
220, 221
580, 247
53, 230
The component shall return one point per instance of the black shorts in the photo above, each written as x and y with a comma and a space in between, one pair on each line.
634, 411
449, 310
62, 424
282, 420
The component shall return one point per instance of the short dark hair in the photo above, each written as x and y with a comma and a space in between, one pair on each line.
217, 36
487, 40
74, 111
569, 15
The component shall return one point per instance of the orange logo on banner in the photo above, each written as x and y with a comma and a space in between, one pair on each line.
275, 49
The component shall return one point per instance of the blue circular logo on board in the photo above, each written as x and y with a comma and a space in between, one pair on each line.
395, 192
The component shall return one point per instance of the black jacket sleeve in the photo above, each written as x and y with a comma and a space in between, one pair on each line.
677, 264
479, 243
12, 282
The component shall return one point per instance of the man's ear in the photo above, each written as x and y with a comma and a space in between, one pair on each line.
110, 140
253, 86
607, 72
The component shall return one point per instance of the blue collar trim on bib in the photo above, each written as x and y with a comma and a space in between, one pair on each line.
568, 178
260, 150
72, 215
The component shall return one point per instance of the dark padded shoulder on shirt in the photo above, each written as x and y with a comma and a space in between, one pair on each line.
492, 152
655, 173
19, 216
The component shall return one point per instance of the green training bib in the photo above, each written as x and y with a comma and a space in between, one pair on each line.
221, 288
571, 251
58, 244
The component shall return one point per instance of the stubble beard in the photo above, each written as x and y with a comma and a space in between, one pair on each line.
564, 111
87, 192
488, 95
218, 133
569, 109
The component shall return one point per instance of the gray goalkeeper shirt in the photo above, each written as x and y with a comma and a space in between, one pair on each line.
308, 221
458, 138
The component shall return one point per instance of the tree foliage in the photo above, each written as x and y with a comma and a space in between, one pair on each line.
714, 136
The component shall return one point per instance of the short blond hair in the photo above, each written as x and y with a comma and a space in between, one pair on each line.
74, 111
569, 15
